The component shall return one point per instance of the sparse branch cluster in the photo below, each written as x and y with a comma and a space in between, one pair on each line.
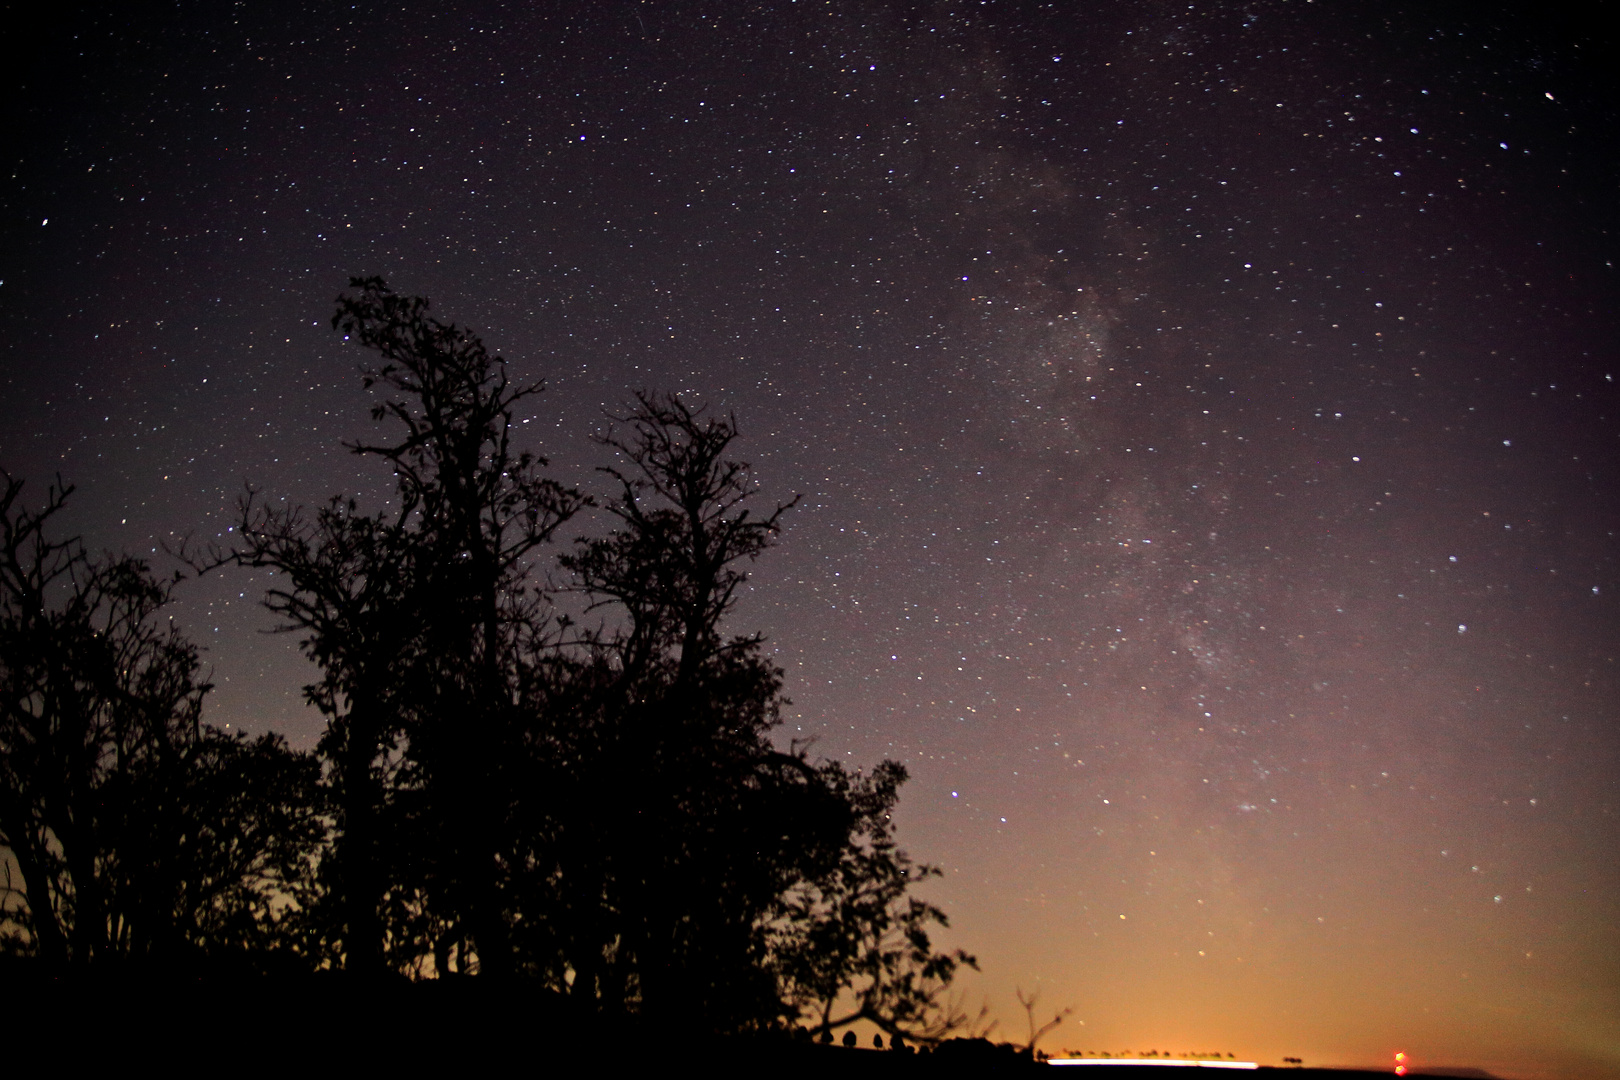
596, 806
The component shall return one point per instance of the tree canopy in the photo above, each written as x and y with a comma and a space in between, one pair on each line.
597, 804
142, 836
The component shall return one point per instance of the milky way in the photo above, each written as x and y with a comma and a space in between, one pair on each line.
1205, 416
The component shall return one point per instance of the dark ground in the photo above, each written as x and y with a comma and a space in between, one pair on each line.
333, 1026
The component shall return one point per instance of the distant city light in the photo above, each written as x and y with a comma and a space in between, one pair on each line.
1197, 1063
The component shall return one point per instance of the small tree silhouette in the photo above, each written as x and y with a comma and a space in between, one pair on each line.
1029, 1010
853, 945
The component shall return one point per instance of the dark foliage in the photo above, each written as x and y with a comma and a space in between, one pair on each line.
708, 824
595, 805
141, 836
474, 510
347, 586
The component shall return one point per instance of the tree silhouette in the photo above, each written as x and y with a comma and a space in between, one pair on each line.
418, 619
595, 803
852, 944
477, 508
1029, 1011
710, 822
141, 834
347, 586
713, 882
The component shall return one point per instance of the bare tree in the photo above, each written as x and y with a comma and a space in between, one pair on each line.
1029, 1010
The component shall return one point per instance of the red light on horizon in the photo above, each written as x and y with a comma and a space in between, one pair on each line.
1400, 1063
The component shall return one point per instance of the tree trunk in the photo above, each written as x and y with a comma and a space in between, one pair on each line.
49, 938
362, 879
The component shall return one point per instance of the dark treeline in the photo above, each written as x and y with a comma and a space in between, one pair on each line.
591, 808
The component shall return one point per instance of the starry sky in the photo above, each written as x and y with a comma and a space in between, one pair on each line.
1205, 415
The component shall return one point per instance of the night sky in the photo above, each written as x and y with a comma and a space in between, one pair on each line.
1205, 414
